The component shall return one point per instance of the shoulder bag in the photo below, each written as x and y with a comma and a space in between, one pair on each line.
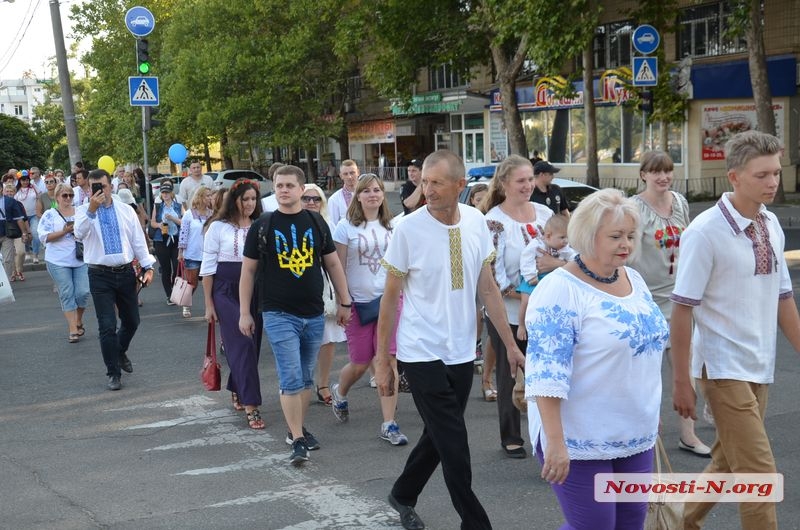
663, 515
181, 289
78, 244
13, 230
210, 375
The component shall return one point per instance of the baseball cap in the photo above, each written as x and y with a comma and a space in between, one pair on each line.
544, 166
416, 163
166, 186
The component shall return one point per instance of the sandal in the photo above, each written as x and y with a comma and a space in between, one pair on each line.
74, 337
325, 400
81, 331
489, 393
20, 277
254, 419
236, 403
13, 276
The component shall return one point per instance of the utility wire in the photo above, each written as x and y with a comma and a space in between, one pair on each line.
21, 39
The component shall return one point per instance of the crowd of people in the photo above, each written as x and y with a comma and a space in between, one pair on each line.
578, 307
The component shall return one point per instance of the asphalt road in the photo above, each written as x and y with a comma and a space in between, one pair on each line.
164, 453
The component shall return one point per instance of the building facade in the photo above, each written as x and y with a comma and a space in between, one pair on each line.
18, 97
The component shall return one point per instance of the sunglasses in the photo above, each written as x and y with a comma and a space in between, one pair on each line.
309, 198
67, 195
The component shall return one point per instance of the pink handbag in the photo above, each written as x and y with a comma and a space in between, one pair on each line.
210, 374
181, 289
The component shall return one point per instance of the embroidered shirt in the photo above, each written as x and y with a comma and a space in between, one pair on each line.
601, 354
735, 305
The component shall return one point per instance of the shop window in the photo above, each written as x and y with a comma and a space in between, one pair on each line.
577, 127
703, 31
473, 121
456, 122
609, 134
612, 45
444, 77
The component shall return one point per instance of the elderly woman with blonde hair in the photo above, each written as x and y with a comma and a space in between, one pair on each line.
595, 341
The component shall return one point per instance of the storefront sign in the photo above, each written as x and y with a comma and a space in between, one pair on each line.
426, 107
721, 121
372, 132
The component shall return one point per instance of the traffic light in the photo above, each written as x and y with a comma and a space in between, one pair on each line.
149, 120
646, 101
142, 56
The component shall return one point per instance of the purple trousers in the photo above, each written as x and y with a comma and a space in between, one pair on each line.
241, 352
576, 494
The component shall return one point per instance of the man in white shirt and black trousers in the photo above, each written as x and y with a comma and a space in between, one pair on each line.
112, 237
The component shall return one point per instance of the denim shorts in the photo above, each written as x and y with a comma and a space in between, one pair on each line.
191, 263
295, 342
72, 284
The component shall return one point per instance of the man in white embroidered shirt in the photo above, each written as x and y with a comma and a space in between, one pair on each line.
440, 259
112, 237
733, 280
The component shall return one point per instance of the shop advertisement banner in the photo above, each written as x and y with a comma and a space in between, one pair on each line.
372, 132
723, 120
498, 138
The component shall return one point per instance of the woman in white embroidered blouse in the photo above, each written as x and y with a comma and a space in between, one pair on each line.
665, 215
595, 341
513, 221
222, 264
190, 238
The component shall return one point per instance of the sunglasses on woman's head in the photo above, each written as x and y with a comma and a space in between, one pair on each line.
309, 198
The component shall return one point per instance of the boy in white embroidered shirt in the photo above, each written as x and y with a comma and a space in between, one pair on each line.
554, 243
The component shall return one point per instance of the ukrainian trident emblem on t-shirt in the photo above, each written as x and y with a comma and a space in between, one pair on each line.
296, 258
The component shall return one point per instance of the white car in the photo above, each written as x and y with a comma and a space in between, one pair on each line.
141, 20
225, 179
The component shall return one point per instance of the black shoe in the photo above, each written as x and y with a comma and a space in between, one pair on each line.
113, 382
408, 517
518, 452
125, 363
299, 452
311, 441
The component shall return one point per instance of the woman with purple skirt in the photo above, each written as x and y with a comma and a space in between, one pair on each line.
222, 263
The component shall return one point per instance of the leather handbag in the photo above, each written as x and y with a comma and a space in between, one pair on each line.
181, 289
210, 375
13, 230
368, 311
663, 515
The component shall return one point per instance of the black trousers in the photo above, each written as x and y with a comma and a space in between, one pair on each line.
507, 413
440, 394
167, 256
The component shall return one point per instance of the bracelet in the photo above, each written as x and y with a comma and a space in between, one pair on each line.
348, 306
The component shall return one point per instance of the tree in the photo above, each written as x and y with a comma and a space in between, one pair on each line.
19, 147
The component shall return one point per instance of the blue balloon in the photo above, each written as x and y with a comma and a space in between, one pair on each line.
178, 153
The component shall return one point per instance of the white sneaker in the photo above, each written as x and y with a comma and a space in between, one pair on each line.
391, 433
339, 404
372, 382
187, 313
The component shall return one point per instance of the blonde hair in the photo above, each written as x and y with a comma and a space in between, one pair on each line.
355, 212
588, 216
496, 193
199, 197
323, 206
61, 187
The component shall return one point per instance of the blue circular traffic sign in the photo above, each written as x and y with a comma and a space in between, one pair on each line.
140, 21
645, 39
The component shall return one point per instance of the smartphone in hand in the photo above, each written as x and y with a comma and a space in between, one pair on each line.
96, 186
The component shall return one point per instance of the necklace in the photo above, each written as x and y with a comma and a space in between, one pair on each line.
602, 279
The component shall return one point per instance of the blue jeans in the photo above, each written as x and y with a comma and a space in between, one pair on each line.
110, 289
295, 342
36, 245
72, 283
191, 263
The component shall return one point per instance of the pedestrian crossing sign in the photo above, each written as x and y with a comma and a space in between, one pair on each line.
143, 91
645, 71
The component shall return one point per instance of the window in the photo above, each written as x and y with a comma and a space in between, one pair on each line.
17, 110
703, 31
612, 45
442, 77
354, 86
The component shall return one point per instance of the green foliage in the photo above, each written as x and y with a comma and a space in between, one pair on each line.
19, 147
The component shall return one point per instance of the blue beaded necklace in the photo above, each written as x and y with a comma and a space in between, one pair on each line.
602, 279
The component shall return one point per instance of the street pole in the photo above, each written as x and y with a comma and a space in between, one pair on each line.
66, 87
144, 160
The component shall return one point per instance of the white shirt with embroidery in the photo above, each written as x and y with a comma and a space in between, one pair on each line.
223, 242
601, 355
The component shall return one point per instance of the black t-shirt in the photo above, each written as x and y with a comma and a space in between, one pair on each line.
406, 190
554, 198
290, 277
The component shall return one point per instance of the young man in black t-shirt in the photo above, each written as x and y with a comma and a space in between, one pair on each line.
411, 192
288, 248
547, 193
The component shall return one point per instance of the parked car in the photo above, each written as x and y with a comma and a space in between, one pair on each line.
575, 191
225, 179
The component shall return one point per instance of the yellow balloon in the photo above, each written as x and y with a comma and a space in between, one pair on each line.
107, 163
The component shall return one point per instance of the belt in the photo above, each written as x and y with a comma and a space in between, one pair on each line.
118, 268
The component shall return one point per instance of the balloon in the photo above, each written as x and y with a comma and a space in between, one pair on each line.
177, 153
107, 163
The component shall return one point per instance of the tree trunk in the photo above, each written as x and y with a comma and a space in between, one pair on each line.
757, 63
227, 160
344, 142
207, 155
590, 118
663, 141
507, 73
